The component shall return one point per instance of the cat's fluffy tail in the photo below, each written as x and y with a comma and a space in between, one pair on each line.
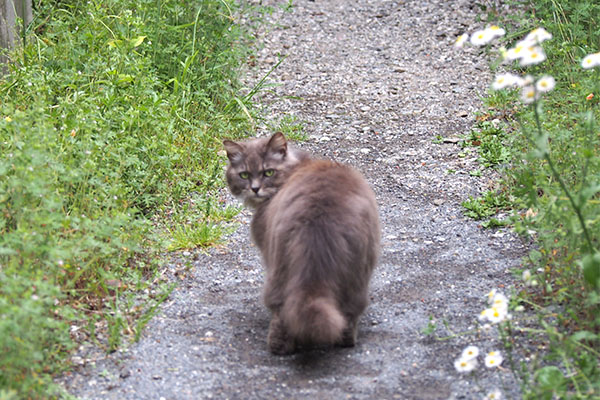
313, 319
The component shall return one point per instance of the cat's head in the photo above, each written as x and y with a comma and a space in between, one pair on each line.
259, 167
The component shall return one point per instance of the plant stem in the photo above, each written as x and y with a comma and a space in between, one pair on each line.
505, 333
562, 184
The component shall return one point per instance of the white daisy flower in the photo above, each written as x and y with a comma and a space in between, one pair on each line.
545, 84
483, 315
460, 41
505, 80
493, 395
498, 314
495, 31
518, 51
491, 294
481, 37
470, 352
465, 365
493, 359
522, 82
527, 81
539, 35
494, 314
500, 302
529, 95
591, 61
533, 55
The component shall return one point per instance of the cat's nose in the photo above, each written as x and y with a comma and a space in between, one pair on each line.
255, 189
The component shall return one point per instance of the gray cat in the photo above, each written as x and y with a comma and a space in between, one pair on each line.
316, 224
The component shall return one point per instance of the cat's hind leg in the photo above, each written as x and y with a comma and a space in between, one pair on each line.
278, 340
349, 333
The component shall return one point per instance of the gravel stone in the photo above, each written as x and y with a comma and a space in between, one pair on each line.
375, 82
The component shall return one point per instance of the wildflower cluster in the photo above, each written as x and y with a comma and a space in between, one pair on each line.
467, 362
484, 36
549, 380
527, 52
468, 359
480, 37
497, 310
528, 279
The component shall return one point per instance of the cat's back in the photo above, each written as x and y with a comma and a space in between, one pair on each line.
322, 194
322, 240
327, 185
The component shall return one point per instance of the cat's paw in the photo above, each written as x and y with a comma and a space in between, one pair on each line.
347, 342
348, 336
280, 348
278, 340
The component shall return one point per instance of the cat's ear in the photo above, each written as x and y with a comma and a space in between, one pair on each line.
277, 145
234, 150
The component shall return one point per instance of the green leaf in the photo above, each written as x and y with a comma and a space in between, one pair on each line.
584, 335
5, 251
114, 43
137, 41
587, 193
541, 143
535, 255
591, 268
549, 378
125, 78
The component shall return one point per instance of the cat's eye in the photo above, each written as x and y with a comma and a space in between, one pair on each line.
244, 175
269, 172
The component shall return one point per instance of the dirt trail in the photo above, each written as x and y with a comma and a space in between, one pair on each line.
375, 82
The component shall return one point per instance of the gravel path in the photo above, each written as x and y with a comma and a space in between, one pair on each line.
375, 82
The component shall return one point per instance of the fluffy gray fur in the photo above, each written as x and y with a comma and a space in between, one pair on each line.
317, 226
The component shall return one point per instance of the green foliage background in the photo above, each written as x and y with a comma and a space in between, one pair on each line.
112, 112
552, 183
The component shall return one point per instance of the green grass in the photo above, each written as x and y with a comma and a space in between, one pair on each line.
110, 116
551, 173
196, 234
486, 205
291, 128
492, 143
